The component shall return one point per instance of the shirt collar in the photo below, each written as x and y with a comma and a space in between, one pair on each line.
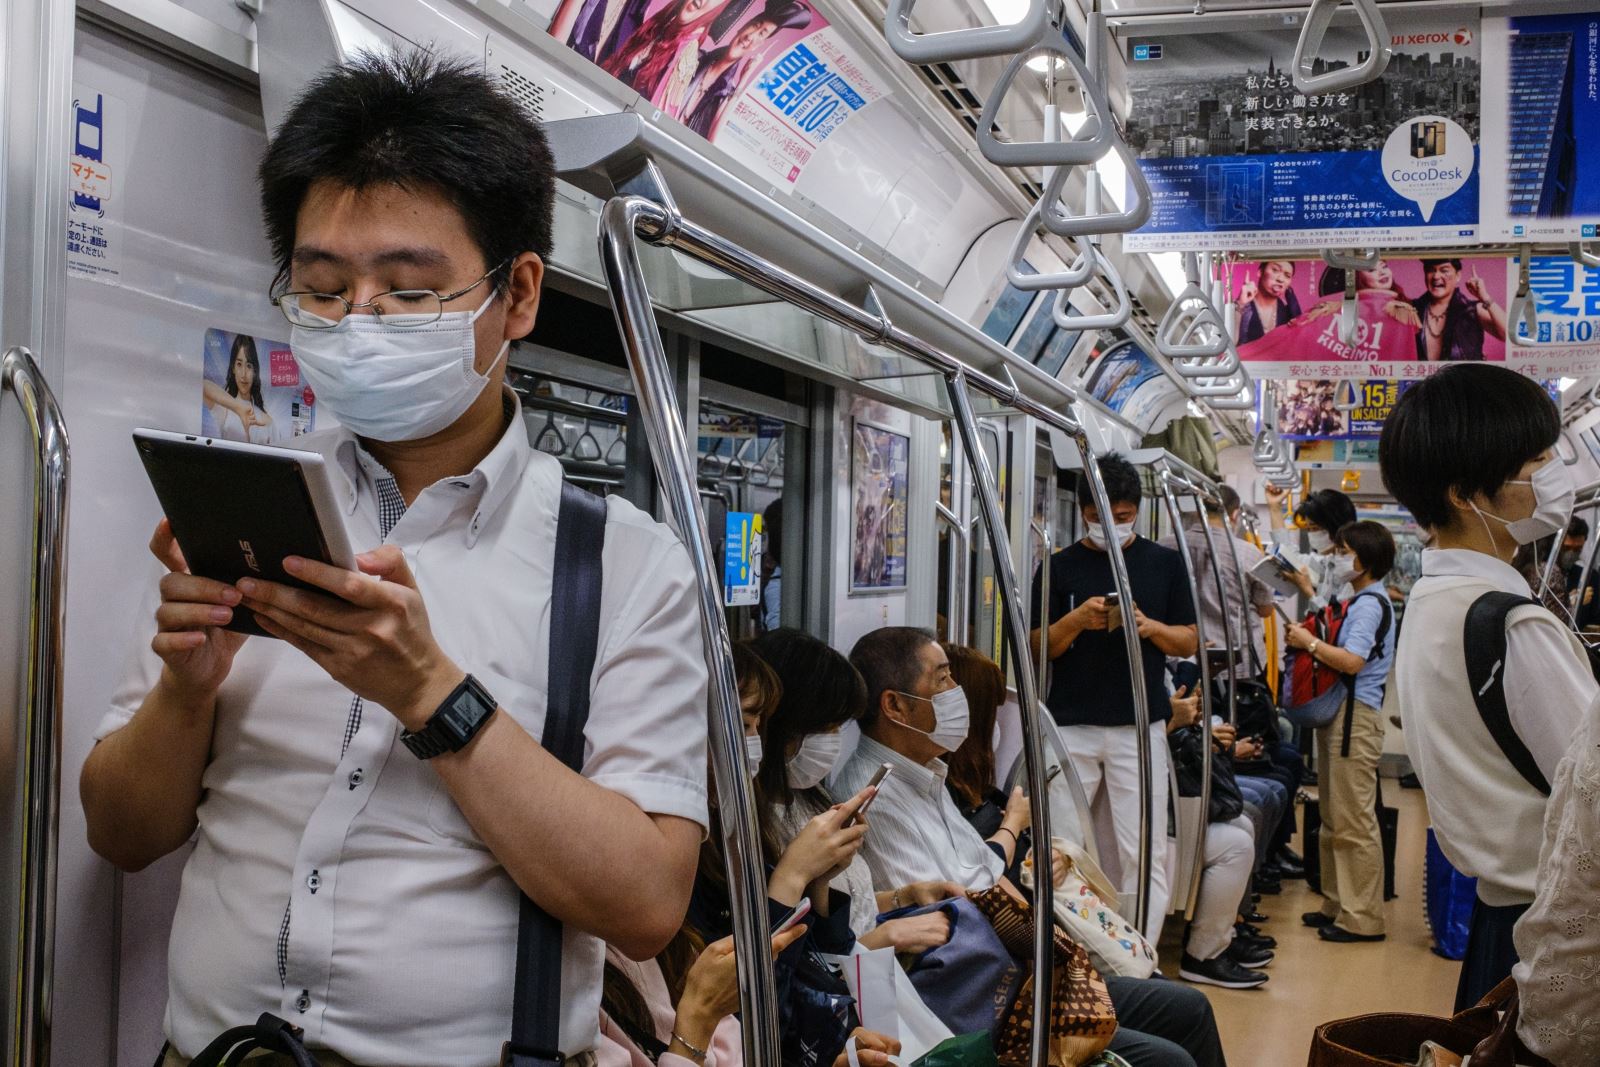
489, 484
1465, 563
927, 780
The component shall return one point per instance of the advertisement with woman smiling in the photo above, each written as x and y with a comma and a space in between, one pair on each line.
1413, 315
765, 80
252, 391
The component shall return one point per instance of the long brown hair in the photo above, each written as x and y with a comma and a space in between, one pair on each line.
971, 772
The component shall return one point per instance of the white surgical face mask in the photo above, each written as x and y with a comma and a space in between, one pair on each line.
395, 383
1321, 541
1553, 495
951, 717
814, 759
1344, 572
752, 752
1097, 533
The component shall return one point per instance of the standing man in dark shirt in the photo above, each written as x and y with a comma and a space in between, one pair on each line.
1091, 695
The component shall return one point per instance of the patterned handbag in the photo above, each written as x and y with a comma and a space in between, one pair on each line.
1082, 1018
1114, 946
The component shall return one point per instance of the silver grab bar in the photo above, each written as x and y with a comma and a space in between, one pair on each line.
994, 522
1582, 255
620, 219
961, 556
1180, 536
1309, 45
30, 1026
663, 225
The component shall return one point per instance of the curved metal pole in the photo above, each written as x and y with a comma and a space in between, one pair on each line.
34, 962
669, 447
1141, 698
994, 522
961, 551
1182, 540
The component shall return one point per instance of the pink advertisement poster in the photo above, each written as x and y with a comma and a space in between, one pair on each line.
1414, 316
768, 81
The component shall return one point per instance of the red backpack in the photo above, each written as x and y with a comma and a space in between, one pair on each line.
1314, 692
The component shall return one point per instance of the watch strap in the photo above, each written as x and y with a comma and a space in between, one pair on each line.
452, 727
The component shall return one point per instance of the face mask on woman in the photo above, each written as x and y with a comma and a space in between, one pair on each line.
752, 753
1553, 494
1345, 570
814, 759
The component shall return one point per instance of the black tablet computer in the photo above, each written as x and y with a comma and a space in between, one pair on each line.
237, 510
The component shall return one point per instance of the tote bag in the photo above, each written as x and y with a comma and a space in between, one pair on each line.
1111, 941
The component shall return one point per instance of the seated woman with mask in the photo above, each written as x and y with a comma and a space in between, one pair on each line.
822, 692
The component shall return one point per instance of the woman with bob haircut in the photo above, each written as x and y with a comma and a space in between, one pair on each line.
1471, 452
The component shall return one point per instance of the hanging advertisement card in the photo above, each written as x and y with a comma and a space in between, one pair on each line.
1127, 381
1541, 87
1413, 316
741, 560
94, 202
1308, 409
1350, 453
768, 82
1238, 158
880, 461
1566, 296
252, 391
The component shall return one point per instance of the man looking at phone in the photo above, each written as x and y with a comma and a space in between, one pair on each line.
347, 874
1091, 695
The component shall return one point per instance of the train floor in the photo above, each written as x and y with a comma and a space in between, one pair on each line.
1313, 981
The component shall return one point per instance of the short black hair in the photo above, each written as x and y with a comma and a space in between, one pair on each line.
1230, 498
1372, 544
1469, 428
1329, 509
1577, 527
821, 690
1429, 264
889, 662
419, 121
1123, 484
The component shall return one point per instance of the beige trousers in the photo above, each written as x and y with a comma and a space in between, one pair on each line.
332, 1059
1350, 847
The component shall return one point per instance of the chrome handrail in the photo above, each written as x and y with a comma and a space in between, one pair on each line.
624, 217
675, 470
41, 708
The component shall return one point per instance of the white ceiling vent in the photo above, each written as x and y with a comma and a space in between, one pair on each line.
536, 84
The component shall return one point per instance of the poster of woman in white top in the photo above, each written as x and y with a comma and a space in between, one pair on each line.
247, 398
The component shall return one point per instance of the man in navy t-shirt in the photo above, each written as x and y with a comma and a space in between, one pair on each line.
1091, 695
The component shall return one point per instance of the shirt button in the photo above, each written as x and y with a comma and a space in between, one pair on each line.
357, 776
314, 882
302, 1003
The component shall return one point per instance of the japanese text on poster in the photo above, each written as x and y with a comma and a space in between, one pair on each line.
741, 560
253, 391
94, 230
1238, 158
766, 83
1309, 409
1541, 90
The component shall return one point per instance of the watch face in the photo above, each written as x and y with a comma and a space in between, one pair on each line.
455, 723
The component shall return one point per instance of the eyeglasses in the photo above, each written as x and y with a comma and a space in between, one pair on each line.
398, 307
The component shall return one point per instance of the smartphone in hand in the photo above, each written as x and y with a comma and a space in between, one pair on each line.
796, 913
883, 771
1113, 610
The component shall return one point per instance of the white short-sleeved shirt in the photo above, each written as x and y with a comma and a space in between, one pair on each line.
334, 880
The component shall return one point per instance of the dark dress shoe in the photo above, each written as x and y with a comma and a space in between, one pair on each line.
1258, 940
1410, 781
1254, 916
1288, 857
1267, 887
1291, 871
1316, 920
1342, 936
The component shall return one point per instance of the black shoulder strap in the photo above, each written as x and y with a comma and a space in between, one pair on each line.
1484, 642
574, 643
1385, 614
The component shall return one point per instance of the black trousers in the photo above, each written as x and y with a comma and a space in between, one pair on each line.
1163, 1024
1490, 951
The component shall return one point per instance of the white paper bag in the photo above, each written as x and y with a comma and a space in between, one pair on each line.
889, 1004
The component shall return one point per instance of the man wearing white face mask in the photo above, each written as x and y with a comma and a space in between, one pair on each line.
364, 811
1470, 451
1091, 694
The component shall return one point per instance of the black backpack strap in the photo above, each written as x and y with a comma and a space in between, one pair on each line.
1484, 642
1385, 615
574, 645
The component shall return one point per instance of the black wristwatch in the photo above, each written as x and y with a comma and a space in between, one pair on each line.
451, 727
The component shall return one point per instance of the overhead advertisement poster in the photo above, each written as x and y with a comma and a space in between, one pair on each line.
1541, 85
1127, 381
1238, 158
1308, 409
1414, 315
767, 83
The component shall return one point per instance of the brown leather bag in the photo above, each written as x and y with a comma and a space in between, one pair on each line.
1487, 1030
1082, 1018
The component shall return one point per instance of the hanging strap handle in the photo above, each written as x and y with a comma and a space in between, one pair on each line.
574, 644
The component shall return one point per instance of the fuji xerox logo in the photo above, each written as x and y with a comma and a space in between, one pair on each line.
1461, 38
